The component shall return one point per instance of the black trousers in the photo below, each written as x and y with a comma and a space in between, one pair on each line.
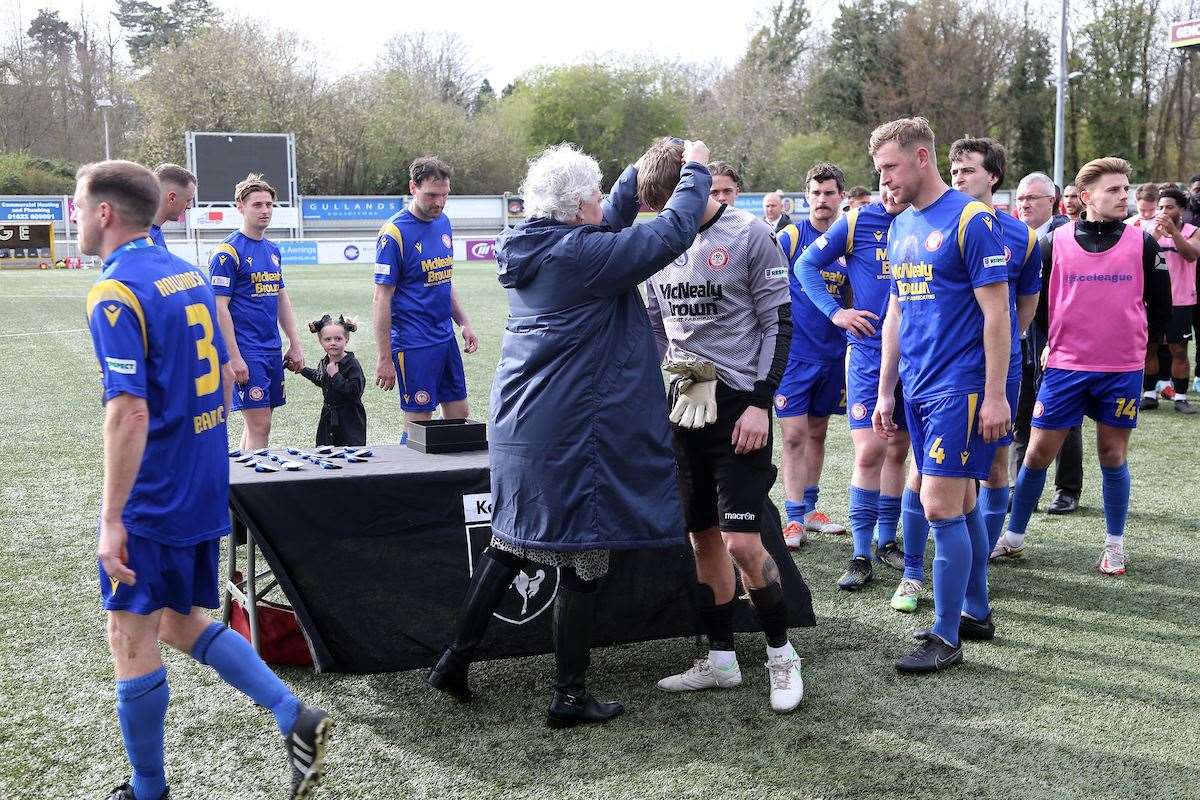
1068, 466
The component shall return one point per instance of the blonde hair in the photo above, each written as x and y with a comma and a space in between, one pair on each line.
1097, 168
906, 131
252, 183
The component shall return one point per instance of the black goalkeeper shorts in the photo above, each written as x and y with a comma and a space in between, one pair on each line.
719, 488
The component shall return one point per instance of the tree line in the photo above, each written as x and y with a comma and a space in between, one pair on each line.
799, 93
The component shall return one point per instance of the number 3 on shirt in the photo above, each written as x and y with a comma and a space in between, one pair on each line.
206, 384
1127, 406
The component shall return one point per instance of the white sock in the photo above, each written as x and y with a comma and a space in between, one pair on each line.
1181, 395
1014, 539
722, 659
787, 651
1110, 540
1150, 394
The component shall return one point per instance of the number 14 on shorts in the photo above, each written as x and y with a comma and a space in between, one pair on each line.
1127, 407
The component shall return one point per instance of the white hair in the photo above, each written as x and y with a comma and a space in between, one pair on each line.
558, 181
1040, 177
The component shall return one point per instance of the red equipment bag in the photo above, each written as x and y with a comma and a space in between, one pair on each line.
280, 640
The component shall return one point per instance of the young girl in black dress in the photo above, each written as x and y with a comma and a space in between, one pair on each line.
343, 418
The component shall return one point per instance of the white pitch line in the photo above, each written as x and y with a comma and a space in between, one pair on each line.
40, 333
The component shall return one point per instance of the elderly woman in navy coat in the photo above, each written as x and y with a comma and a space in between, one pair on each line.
581, 455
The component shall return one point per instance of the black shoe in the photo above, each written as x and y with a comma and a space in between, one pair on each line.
1148, 404
1184, 407
306, 749
125, 792
450, 676
932, 655
568, 710
484, 594
975, 629
978, 630
857, 575
892, 555
1063, 504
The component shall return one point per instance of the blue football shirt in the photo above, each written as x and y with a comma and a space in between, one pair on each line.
152, 318
1024, 256
858, 239
417, 257
156, 237
248, 272
939, 256
814, 338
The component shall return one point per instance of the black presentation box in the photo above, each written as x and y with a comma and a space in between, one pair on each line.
447, 435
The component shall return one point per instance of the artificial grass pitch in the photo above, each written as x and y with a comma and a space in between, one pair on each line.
1089, 691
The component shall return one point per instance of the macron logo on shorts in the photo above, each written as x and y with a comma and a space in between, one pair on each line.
748, 516
220, 280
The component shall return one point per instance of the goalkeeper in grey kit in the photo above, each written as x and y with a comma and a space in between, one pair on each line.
721, 313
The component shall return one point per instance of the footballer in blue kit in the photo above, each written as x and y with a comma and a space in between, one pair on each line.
948, 330
177, 187
859, 239
247, 277
166, 386
976, 168
814, 381
415, 306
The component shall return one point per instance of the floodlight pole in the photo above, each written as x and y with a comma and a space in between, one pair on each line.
1060, 102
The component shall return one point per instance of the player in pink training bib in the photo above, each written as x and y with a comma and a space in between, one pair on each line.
1109, 294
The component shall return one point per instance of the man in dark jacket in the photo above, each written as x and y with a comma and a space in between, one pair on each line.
578, 465
1037, 198
773, 214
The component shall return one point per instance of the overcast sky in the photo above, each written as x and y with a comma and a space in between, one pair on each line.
504, 38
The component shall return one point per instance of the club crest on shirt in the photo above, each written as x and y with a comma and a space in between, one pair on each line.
422, 397
256, 393
1007, 255
719, 258
859, 411
446, 240
933, 241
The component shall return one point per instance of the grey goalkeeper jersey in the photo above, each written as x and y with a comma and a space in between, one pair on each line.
719, 300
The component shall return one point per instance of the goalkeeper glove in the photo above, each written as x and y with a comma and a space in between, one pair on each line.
696, 401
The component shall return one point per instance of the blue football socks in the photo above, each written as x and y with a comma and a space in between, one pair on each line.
951, 571
1116, 498
889, 518
975, 602
1030, 483
864, 511
994, 507
811, 493
794, 511
238, 665
142, 711
916, 532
